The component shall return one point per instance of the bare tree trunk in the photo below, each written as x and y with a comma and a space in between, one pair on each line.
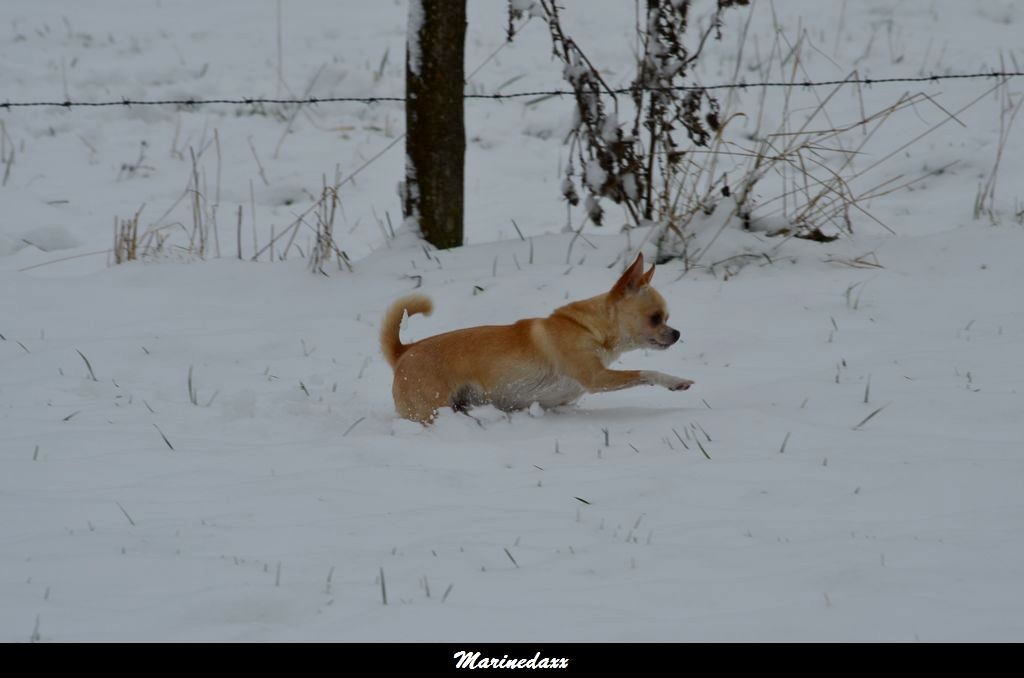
435, 143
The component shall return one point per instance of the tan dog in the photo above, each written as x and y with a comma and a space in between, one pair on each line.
551, 361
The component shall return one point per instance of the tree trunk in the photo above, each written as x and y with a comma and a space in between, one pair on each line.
435, 143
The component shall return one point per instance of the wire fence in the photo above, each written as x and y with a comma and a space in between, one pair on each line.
253, 101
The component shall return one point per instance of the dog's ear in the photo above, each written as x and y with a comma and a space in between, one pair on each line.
647, 276
633, 279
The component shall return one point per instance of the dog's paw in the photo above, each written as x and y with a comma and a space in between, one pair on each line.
680, 385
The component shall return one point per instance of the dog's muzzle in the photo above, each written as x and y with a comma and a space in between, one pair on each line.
666, 339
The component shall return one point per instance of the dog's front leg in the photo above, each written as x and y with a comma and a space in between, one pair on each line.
613, 380
668, 381
595, 377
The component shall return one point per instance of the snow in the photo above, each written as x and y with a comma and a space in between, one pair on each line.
595, 175
522, 5
414, 25
610, 131
291, 483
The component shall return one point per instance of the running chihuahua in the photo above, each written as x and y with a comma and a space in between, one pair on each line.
551, 361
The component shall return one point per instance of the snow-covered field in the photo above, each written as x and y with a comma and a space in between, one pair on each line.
292, 487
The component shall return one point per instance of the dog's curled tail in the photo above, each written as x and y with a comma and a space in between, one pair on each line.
390, 343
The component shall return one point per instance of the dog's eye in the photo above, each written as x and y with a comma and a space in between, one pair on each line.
656, 319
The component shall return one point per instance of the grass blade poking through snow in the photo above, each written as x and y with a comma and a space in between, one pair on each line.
702, 450
125, 513
354, 424
163, 436
868, 418
92, 375
509, 554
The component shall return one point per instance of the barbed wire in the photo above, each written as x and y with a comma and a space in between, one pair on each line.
254, 101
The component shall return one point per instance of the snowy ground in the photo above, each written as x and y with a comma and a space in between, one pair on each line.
291, 485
